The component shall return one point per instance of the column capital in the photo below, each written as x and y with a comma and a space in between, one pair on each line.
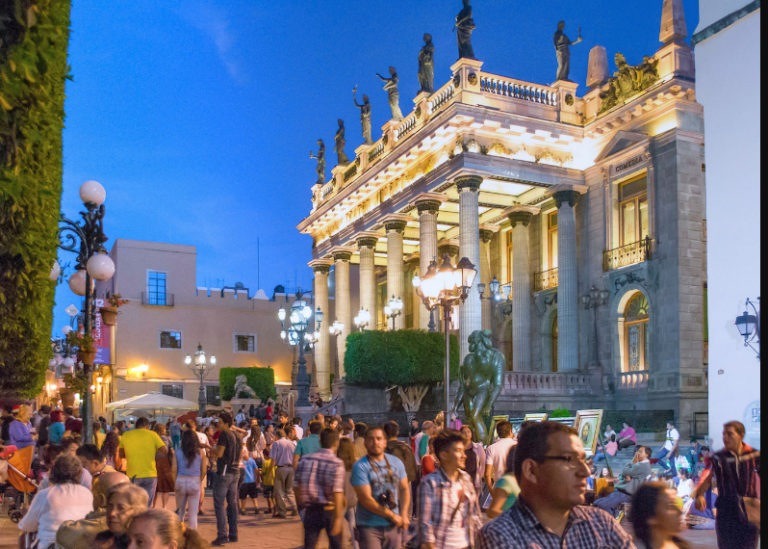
367, 242
395, 223
321, 265
486, 235
450, 247
429, 202
569, 196
468, 182
340, 253
519, 216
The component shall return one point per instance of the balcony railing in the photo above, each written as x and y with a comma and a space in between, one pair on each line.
554, 383
630, 254
544, 280
633, 380
157, 300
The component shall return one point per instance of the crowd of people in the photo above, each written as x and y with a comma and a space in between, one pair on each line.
432, 487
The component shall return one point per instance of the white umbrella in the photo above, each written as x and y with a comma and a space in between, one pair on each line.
152, 401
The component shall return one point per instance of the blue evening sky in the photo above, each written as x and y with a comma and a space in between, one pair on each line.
198, 117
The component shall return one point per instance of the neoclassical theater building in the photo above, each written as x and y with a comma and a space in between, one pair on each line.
588, 210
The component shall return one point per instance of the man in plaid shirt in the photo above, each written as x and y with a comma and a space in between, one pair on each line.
319, 489
449, 514
551, 469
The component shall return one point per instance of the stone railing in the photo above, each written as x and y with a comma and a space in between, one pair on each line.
544, 280
630, 254
350, 172
406, 126
546, 383
375, 151
633, 380
441, 97
518, 89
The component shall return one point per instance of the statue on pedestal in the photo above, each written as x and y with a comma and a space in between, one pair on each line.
563, 52
340, 142
427, 65
365, 116
480, 380
241, 387
394, 95
320, 161
464, 26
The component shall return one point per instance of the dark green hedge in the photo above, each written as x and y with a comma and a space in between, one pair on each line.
261, 380
403, 357
34, 35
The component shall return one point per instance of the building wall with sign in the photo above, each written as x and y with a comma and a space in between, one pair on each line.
727, 47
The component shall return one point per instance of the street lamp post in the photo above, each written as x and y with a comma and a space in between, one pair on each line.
362, 319
592, 300
749, 325
494, 297
200, 365
446, 287
295, 330
86, 238
393, 309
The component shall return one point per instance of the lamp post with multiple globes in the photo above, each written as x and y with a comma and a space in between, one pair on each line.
86, 238
362, 319
296, 331
445, 287
393, 309
200, 365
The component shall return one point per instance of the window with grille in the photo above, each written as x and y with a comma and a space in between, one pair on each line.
245, 343
156, 294
636, 334
173, 389
170, 340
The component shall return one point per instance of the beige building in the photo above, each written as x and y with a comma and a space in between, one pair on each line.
168, 316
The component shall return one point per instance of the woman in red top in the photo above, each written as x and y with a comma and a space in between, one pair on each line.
268, 413
429, 463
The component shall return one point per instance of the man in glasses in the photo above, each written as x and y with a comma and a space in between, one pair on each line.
551, 469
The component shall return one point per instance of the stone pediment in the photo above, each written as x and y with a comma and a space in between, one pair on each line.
620, 142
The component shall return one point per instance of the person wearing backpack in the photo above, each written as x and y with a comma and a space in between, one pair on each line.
403, 451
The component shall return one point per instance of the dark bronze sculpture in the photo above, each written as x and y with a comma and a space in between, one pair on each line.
563, 52
480, 380
320, 161
340, 142
628, 81
427, 65
365, 116
464, 26
390, 85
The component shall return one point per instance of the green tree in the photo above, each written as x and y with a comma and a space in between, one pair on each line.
34, 35
409, 361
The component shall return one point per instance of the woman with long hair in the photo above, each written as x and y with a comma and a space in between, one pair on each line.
656, 517
189, 468
110, 453
255, 444
161, 529
346, 453
164, 465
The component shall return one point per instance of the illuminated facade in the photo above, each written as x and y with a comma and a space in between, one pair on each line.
553, 194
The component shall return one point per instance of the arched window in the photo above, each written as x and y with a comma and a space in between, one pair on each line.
636, 334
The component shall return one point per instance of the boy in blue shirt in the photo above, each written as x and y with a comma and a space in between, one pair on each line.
251, 485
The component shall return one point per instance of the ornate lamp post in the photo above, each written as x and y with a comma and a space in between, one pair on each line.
749, 326
494, 296
592, 300
362, 319
200, 365
393, 309
295, 330
446, 287
86, 238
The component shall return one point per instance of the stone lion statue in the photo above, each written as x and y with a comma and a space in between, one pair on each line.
241, 386
480, 379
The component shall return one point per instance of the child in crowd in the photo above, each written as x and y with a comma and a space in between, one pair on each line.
268, 479
250, 486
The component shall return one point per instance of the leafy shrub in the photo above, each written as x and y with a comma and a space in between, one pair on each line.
261, 380
403, 357
561, 412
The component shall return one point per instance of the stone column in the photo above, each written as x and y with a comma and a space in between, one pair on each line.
395, 281
343, 303
521, 287
322, 353
485, 276
567, 289
427, 209
470, 318
367, 245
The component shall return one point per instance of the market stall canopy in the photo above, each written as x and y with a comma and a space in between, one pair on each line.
152, 401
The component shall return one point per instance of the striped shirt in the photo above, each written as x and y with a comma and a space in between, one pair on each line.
319, 475
439, 511
587, 528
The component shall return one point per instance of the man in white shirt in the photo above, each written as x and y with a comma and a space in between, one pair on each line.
496, 454
671, 439
298, 428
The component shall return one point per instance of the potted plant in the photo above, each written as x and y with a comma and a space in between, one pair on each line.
86, 350
109, 312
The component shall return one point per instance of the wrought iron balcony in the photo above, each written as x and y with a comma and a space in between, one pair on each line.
157, 300
544, 280
630, 254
